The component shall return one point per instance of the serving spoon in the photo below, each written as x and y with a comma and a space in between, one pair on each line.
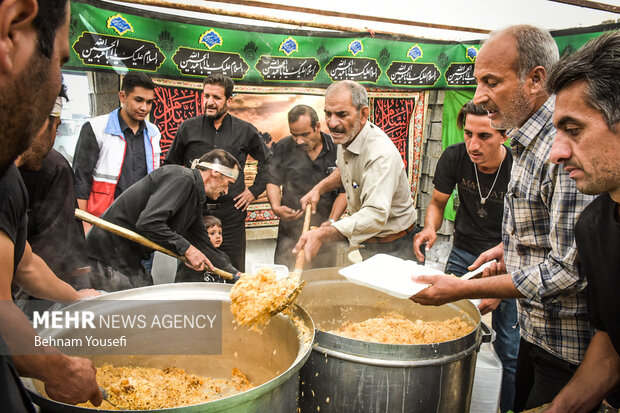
104, 396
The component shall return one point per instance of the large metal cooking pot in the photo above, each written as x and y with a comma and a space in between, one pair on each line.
347, 375
270, 360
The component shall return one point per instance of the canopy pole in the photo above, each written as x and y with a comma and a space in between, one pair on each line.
260, 4
293, 22
591, 5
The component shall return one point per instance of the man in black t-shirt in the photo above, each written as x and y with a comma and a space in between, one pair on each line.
587, 117
54, 233
299, 162
480, 169
217, 129
37, 33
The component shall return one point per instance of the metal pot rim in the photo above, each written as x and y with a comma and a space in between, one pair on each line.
406, 353
163, 291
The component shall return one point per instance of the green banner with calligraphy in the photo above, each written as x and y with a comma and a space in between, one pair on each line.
114, 37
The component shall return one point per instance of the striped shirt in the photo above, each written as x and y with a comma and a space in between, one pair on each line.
541, 209
378, 191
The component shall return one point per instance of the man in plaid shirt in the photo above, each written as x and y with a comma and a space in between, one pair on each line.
541, 209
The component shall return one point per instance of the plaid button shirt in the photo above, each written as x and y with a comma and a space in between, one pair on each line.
541, 209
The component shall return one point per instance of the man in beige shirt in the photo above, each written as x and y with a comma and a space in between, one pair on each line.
382, 216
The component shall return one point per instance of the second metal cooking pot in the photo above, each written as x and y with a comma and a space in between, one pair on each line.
347, 375
270, 360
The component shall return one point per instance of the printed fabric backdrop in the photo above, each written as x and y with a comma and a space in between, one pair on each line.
451, 134
113, 37
400, 115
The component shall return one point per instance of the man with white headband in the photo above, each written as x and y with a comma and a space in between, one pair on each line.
216, 166
165, 207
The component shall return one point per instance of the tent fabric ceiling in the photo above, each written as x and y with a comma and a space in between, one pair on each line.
480, 14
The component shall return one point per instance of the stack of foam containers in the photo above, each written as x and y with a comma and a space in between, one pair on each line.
487, 381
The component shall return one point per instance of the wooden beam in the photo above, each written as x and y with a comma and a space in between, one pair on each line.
591, 5
260, 4
292, 22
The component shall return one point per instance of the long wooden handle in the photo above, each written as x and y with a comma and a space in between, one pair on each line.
301, 255
137, 238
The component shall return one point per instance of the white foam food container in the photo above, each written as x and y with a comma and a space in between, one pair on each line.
388, 274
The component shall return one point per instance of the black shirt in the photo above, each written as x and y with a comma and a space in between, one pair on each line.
134, 167
197, 136
165, 207
13, 217
13, 221
292, 168
473, 233
597, 234
54, 233
13, 394
87, 154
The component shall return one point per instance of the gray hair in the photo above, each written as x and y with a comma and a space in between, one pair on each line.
535, 47
598, 63
359, 97
222, 157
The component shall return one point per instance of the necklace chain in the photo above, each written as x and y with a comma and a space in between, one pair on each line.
483, 200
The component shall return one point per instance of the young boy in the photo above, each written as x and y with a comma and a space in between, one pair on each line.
213, 226
214, 229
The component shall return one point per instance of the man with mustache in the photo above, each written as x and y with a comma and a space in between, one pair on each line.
33, 46
116, 150
587, 117
540, 212
216, 128
300, 161
372, 172
166, 208
480, 169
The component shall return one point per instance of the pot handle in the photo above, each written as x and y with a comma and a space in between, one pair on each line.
488, 334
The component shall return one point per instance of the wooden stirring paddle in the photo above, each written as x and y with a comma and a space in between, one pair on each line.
295, 275
139, 239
